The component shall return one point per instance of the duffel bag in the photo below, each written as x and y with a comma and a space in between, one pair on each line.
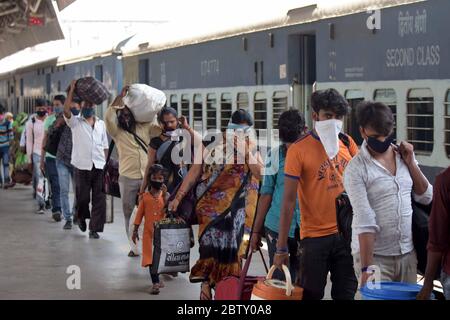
92, 90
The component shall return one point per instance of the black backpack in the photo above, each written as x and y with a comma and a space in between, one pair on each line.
53, 137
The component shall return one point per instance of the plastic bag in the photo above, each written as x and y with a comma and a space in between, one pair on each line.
144, 101
42, 187
135, 247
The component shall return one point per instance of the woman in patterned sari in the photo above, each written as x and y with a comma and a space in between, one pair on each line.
226, 203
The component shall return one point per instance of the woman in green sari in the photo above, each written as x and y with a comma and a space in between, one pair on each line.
226, 203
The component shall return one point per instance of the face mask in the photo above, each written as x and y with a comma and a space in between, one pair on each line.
379, 146
57, 110
41, 113
75, 111
328, 131
156, 184
87, 112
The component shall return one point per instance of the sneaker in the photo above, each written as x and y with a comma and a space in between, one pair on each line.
41, 209
68, 225
48, 205
57, 216
82, 225
93, 235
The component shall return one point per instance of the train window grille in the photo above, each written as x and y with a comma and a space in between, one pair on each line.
260, 110
389, 98
225, 110
211, 111
447, 123
198, 112
420, 120
279, 103
242, 101
185, 105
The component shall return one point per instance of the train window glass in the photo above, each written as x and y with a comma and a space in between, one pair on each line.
260, 110
48, 83
353, 97
144, 71
280, 100
198, 112
211, 111
389, 98
185, 105
174, 102
21, 87
59, 86
420, 120
99, 73
225, 110
447, 123
64, 68
242, 100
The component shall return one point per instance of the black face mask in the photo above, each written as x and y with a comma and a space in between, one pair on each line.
379, 146
41, 113
156, 184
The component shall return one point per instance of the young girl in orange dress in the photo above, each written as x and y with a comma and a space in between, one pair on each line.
151, 207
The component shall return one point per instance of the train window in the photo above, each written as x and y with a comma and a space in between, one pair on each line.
21, 87
351, 126
447, 123
225, 110
260, 110
99, 73
174, 102
280, 100
198, 112
48, 83
211, 111
144, 71
59, 86
420, 120
242, 100
389, 98
185, 105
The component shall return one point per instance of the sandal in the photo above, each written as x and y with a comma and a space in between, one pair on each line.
161, 284
155, 289
131, 254
205, 293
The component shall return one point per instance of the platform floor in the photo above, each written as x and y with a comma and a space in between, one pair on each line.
35, 253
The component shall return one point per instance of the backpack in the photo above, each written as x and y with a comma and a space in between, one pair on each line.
53, 138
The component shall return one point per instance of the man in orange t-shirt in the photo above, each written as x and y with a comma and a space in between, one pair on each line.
314, 168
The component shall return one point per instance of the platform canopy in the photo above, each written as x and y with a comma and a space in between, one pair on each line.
25, 23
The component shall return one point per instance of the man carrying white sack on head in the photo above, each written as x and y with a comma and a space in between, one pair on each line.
131, 123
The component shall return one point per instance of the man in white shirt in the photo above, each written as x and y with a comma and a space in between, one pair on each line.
90, 146
381, 181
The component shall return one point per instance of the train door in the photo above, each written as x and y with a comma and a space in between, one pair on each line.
351, 126
304, 73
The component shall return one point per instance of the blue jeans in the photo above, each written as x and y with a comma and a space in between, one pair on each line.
65, 175
4, 157
37, 174
52, 174
445, 281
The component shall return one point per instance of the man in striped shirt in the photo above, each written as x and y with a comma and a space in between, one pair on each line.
6, 135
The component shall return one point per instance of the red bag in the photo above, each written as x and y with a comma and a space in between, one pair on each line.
238, 288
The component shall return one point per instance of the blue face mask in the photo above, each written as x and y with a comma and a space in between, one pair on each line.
87, 112
234, 126
75, 111
57, 110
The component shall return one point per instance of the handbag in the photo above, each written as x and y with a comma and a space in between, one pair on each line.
344, 216
272, 289
110, 184
239, 288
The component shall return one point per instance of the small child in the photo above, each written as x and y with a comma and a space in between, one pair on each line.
151, 207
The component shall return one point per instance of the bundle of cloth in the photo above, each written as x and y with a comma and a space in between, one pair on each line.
144, 102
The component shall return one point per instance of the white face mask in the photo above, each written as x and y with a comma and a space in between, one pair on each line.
328, 131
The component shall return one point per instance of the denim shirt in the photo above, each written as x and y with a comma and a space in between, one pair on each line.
273, 184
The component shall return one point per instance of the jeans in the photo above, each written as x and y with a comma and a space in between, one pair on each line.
293, 246
4, 158
65, 175
318, 256
37, 175
445, 281
52, 174
153, 276
89, 182
129, 189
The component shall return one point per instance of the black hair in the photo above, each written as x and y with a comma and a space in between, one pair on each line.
375, 115
291, 125
157, 168
40, 102
241, 116
2, 109
166, 110
330, 100
60, 98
